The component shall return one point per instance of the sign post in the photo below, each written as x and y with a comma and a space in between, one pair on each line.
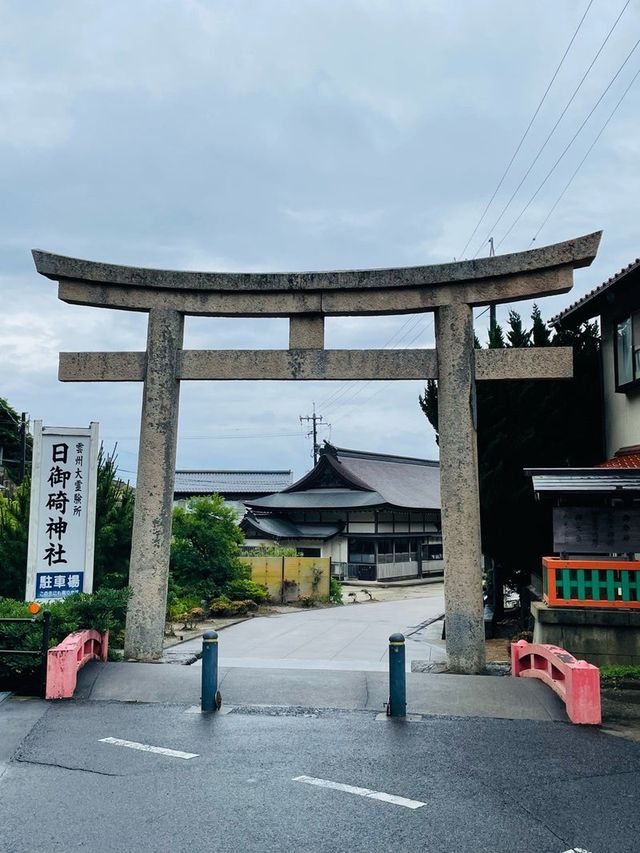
62, 516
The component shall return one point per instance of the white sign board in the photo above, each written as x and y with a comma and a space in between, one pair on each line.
62, 516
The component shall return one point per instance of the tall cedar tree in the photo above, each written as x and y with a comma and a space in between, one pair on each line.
114, 524
530, 424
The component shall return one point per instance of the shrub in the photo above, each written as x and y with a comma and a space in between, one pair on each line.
246, 589
104, 610
224, 606
305, 600
335, 591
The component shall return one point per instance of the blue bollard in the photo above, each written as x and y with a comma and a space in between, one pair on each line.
397, 706
211, 699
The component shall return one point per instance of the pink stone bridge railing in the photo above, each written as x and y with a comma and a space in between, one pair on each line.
69, 656
576, 682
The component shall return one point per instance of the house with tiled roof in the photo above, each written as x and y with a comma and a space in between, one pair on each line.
593, 565
616, 302
375, 515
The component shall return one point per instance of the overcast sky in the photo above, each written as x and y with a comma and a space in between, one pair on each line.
308, 134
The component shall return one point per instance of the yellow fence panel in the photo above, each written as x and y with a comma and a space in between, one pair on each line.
311, 575
267, 571
287, 578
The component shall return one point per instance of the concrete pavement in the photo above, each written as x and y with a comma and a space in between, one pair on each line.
352, 637
459, 695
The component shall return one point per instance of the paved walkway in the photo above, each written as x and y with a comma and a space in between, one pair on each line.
352, 637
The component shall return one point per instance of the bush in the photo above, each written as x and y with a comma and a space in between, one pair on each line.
246, 589
224, 606
335, 591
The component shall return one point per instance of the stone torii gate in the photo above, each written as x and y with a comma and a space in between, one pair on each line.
451, 290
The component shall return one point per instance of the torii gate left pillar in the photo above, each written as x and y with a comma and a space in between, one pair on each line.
451, 290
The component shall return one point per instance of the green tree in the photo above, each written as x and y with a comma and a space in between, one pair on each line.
11, 441
14, 538
530, 424
114, 525
205, 548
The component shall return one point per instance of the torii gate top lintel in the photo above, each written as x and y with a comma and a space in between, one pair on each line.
502, 278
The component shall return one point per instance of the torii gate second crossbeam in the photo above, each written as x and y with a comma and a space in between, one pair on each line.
451, 290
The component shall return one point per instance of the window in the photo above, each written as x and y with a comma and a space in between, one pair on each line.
432, 549
385, 551
628, 350
361, 551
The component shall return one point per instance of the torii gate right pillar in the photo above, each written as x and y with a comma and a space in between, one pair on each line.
459, 485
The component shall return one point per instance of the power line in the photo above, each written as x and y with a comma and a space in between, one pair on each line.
553, 129
353, 383
569, 144
385, 383
526, 132
581, 163
366, 383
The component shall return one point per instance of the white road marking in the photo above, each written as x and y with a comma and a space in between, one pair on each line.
145, 747
361, 792
576, 850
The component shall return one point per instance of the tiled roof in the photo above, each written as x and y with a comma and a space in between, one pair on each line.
345, 478
626, 457
402, 481
282, 528
582, 303
231, 482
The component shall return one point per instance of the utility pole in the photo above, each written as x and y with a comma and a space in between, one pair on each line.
492, 308
315, 419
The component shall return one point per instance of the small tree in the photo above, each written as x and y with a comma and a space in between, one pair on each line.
205, 549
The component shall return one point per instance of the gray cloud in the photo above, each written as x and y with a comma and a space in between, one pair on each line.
320, 134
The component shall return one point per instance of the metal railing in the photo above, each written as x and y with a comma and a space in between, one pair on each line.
45, 625
591, 583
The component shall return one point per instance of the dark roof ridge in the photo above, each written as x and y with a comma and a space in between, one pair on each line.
380, 457
592, 294
232, 471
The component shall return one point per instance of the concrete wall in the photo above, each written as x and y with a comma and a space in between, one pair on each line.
621, 411
597, 636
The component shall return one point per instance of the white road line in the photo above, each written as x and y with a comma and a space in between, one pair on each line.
145, 747
576, 850
361, 792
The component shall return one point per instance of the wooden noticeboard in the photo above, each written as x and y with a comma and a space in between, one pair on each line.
596, 530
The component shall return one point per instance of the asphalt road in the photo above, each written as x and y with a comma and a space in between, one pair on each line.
481, 785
